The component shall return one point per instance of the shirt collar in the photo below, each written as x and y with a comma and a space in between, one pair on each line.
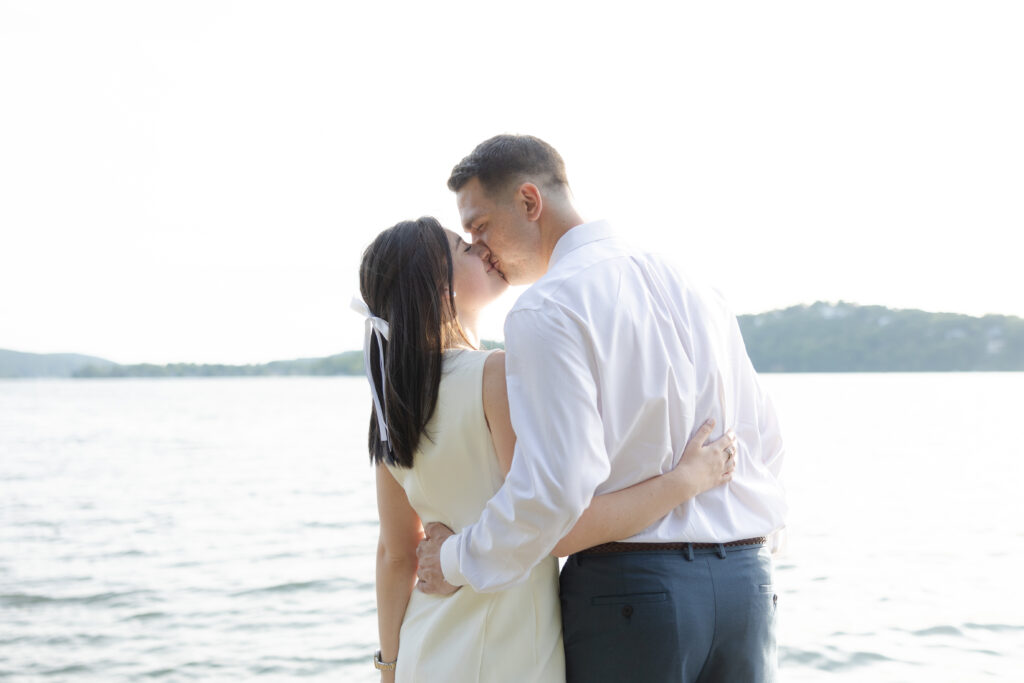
579, 236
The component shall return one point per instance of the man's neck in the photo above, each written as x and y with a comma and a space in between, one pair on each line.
554, 227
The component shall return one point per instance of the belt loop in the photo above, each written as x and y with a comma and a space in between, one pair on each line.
721, 551
689, 552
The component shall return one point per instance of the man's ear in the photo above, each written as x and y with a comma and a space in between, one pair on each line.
532, 201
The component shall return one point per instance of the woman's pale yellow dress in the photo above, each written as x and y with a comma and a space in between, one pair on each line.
510, 636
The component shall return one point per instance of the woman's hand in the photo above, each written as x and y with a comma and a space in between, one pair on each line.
705, 466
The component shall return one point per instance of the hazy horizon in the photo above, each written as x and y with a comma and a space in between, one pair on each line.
358, 349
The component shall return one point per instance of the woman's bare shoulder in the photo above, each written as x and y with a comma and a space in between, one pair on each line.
495, 362
494, 378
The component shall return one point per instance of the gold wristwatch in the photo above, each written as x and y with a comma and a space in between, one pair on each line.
382, 666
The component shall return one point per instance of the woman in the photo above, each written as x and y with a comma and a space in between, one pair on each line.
442, 442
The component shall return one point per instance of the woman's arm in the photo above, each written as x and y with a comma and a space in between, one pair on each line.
623, 513
400, 532
496, 410
620, 514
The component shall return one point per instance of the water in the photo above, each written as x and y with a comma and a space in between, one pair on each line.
225, 529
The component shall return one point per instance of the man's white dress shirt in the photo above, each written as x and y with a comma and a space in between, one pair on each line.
613, 360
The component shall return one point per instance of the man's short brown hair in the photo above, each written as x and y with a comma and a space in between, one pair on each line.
504, 159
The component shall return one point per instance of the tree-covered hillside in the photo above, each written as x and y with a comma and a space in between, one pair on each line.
347, 363
21, 364
844, 337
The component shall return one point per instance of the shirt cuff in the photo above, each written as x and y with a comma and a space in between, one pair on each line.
450, 561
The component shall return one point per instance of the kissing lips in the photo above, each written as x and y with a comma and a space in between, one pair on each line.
493, 265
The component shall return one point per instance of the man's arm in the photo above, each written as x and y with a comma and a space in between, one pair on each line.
773, 452
771, 434
560, 457
611, 516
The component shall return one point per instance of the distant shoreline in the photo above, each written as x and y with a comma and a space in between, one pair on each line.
817, 338
357, 376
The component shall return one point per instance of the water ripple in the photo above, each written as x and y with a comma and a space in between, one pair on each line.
160, 673
72, 669
842, 661
319, 586
145, 616
937, 631
28, 600
995, 627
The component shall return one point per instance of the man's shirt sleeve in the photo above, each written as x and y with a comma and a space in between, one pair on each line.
560, 455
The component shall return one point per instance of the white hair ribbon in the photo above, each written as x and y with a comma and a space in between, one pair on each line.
375, 327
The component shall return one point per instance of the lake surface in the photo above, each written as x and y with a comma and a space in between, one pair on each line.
225, 529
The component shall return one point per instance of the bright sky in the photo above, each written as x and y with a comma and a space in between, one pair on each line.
196, 181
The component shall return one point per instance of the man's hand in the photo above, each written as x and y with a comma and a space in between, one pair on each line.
431, 578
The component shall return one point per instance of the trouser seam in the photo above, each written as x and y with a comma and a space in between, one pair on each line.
714, 618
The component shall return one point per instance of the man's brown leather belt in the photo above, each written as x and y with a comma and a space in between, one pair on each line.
606, 548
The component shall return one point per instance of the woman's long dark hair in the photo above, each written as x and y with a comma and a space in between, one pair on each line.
406, 279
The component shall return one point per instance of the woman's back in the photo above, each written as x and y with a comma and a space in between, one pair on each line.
455, 470
513, 635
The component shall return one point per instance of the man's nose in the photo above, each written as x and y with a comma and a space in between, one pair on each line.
480, 248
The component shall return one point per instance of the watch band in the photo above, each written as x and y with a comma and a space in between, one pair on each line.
382, 666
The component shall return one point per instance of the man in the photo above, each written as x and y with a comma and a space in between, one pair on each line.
613, 359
